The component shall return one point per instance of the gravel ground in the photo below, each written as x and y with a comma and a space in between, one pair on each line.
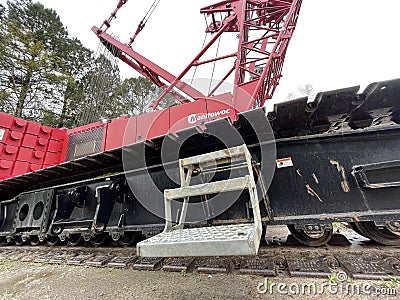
23, 280
20, 280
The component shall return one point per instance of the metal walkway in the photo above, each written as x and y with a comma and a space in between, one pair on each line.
238, 239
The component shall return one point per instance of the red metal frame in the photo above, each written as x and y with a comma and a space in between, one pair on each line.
264, 30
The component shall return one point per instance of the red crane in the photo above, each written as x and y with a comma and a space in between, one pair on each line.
264, 29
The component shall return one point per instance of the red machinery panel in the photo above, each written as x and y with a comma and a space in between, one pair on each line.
19, 125
52, 158
152, 125
188, 115
34, 167
6, 120
11, 138
33, 128
29, 141
85, 128
20, 167
120, 132
5, 168
31, 156
41, 144
25, 154
11, 123
8, 152
217, 109
45, 132
58, 134
55, 146
38, 157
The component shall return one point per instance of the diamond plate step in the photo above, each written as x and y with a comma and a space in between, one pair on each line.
238, 239
212, 157
229, 185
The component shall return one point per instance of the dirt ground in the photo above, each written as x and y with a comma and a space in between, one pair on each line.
19, 280
24, 280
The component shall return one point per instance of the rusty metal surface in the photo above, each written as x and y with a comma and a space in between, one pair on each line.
44, 258
62, 257
213, 265
79, 259
179, 264
122, 261
261, 265
306, 264
370, 266
99, 260
148, 263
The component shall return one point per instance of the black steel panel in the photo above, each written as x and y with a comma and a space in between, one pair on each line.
320, 182
289, 118
8, 211
382, 94
33, 211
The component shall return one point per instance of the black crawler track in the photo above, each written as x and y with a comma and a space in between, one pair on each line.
358, 259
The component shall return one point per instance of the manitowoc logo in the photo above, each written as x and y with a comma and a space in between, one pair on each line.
194, 118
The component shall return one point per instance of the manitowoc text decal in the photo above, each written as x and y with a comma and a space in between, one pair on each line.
194, 118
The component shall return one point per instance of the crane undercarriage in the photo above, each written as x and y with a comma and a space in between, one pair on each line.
333, 160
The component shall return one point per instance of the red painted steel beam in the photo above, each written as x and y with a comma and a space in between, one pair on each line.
145, 65
194, 61
264, 30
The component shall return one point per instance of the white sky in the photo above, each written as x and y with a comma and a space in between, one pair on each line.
337, 43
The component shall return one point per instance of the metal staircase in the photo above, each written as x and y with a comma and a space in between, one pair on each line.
237, 239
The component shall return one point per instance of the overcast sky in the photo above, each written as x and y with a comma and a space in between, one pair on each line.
337, 43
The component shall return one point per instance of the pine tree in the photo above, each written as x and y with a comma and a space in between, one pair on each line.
31, 69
